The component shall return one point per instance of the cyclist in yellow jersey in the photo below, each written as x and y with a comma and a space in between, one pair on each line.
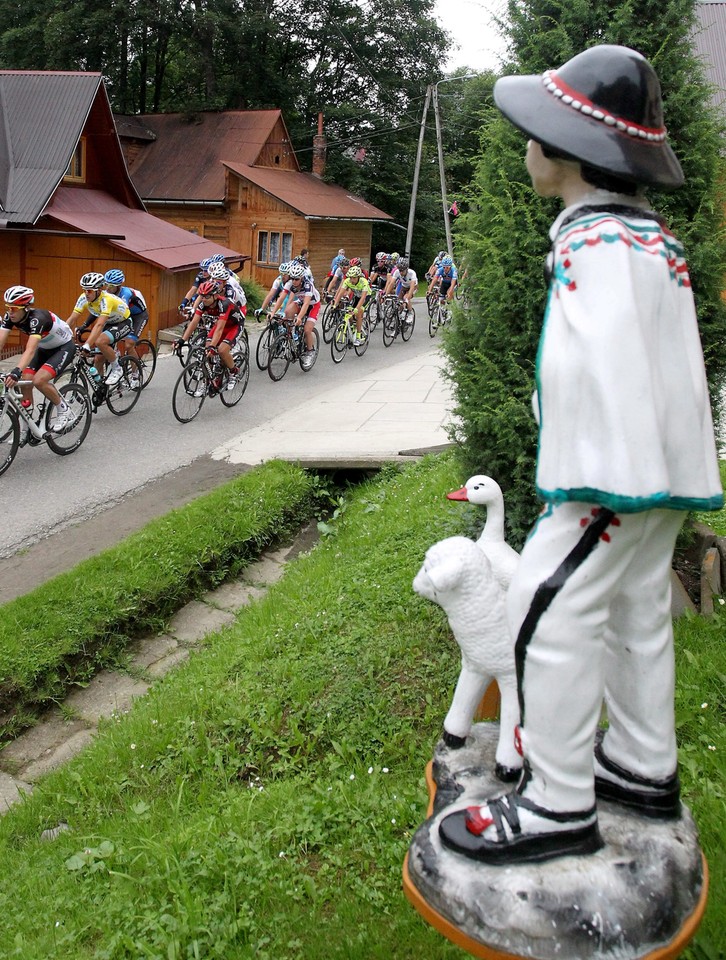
357, 284
109, 316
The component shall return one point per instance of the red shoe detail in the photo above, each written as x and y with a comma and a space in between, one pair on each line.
518, 741
475, 823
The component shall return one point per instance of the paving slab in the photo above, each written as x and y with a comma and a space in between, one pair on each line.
163, 666
39, 741
56, 758
108, 693
194, 621
233, 596
402, 412
148, 650
11, 791
264, 572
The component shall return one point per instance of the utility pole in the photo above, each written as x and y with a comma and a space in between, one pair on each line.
442, 174
417, 168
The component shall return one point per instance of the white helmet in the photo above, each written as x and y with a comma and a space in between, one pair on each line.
92, 281
296, 270
218, 271
19, 296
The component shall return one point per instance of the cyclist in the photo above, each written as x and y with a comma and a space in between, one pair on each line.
229, 323
303, 306
49, 350
334, 264
379, 271
405, 282
445, 278
115, 281
357, 284
275, 290
109, 319
202, 275
338, 276
357, 262
302, 258
431, 272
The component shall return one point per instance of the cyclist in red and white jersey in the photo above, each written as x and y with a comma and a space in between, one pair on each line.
49, 350
229, 322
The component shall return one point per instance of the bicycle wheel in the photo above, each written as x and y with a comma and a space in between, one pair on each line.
433, 323
408, 322
190, 392
147, 355
365, 332
9, 435
279, 357
121, 398
390, 326
262, 354
339, 342
241, 357
78, 401
431, 303
331, 318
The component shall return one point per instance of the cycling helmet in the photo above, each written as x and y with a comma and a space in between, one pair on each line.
296, 271
440, 254
208, 288
301, 260
92, 281
218, 271
115, 277
403, 265
355, 272
345, 262
217, 258
284, 267
356, 262
380, 257
395, 256
204, 264
19, 296
447, 262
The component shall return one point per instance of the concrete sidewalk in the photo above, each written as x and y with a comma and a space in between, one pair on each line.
391, 414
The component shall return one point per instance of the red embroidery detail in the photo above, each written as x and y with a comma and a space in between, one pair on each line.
518, 741
567, 263
584, 522
475, 822
615, 522
596, 511
605, 537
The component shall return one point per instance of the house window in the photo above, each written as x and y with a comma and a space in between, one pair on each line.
76, 171
273, 247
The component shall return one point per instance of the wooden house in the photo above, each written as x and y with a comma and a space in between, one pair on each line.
68, 205
234, 177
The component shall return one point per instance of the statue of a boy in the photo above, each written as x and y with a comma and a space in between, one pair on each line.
626, 446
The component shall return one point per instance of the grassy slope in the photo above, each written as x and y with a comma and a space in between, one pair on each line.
272, 784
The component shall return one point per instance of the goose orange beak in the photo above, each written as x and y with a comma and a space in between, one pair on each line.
457, 494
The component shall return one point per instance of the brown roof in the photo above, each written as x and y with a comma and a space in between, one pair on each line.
147, 237
185, 160
709, 39
309, 195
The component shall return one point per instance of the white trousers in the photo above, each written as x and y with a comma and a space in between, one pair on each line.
590, 608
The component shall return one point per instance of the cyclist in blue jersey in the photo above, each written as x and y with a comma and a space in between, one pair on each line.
115, 281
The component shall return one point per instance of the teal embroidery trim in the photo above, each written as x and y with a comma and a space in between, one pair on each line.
624, 504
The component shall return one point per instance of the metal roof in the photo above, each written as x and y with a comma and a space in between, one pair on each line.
147, 237
309, 195
184, 162
37, 139
709, 40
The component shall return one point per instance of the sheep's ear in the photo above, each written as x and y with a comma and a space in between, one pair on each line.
444, 575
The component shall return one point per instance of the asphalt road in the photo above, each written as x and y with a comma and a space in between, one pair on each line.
112, 478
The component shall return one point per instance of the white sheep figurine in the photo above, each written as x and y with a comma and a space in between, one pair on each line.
458, 576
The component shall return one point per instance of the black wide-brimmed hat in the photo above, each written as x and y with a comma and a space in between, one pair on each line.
602, 107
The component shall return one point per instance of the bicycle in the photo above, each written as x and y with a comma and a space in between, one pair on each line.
375, 316
121, 397
398, 318
288, 347
331, 317
440, 317
431, 301
272, 329
206, 376
344, 337
185, 349
146, 354
12, 413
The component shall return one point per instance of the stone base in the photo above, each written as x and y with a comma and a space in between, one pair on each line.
641, 897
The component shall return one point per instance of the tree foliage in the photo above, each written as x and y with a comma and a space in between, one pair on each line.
503, 238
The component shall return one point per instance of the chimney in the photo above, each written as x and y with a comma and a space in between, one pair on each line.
320, 149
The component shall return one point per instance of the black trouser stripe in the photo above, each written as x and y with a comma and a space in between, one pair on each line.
547, 591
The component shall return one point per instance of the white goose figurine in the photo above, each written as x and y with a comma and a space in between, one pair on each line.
483, 491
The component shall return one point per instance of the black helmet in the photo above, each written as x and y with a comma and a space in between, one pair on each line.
602, 107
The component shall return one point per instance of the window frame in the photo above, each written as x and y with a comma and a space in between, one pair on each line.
76, 170
266, 244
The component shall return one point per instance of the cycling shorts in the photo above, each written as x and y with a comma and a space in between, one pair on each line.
401, 290
444, 285
138, 321
117, 331
55, 359
230, 333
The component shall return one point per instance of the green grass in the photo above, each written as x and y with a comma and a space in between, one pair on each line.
260, 801
89, 613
